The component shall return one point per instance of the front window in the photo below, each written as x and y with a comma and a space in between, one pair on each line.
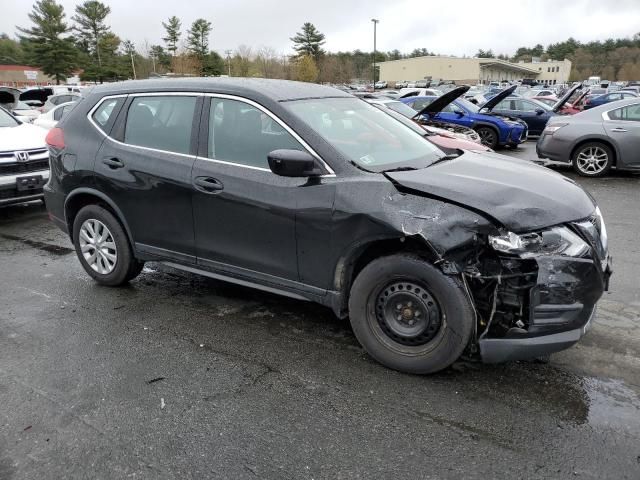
365, 135
7, 120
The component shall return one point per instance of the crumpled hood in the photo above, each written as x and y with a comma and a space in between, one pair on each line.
520, 195
22, 137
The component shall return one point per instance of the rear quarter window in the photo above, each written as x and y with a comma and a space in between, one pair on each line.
104, 115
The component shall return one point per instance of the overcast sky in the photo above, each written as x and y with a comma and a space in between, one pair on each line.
457, 28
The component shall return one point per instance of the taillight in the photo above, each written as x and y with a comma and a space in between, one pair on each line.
55, 138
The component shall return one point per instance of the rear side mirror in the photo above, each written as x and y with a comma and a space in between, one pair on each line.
292, 163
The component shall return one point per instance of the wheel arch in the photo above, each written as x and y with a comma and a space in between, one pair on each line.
81, 197
359, 256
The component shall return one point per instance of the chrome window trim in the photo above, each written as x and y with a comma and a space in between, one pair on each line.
280, 122
210, 95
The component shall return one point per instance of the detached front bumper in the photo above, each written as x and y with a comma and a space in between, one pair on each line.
561, 308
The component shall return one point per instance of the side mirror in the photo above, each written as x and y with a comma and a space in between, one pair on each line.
458, 112
539, 111
292, 163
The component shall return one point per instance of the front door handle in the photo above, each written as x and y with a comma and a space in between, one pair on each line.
113, 163
618, 130
208, 184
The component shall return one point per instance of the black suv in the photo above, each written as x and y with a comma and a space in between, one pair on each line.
308, 192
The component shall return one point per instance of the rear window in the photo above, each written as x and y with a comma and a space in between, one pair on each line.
161, 122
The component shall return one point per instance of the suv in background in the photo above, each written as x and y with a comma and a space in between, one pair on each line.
55, 100
252, 181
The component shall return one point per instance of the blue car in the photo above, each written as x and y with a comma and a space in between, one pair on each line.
607, 98
495, 130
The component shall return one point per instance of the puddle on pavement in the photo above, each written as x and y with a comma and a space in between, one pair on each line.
45, 247
612, 404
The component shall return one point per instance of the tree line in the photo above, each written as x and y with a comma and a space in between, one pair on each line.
86, 43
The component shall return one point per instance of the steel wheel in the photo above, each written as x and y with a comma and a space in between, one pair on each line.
592, 160
407, 314
98, 246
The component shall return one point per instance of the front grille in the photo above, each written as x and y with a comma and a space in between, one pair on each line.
38, 153
17, 168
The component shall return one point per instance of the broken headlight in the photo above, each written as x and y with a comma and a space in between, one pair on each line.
553, 241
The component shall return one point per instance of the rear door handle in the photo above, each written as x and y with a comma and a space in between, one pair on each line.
208, 184
113, 163
618, 130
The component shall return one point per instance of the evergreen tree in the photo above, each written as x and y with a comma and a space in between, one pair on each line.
308, 42
49, 45
90, 24
172, 27
198, 41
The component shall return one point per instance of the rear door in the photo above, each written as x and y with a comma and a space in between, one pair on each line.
623, 126
146, 170
244, 215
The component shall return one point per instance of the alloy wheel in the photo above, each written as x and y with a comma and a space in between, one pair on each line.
592, 160
98, 246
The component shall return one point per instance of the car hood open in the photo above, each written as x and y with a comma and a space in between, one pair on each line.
520, 195
443, 100
493, 101
560, 103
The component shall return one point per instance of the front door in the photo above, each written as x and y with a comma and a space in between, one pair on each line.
146, 171
245, 215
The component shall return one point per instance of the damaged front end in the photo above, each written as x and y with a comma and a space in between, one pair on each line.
536, 293
533, 293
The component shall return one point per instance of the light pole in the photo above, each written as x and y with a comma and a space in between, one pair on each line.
375, 23
228, 52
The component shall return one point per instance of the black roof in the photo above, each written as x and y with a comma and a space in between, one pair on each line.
276, 90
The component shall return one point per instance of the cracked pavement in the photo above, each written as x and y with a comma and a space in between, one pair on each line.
180, 376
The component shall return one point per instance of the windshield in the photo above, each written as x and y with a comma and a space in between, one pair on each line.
467, 105
401, 108
365, 134
7, 120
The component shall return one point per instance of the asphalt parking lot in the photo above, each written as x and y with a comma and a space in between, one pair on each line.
179, 376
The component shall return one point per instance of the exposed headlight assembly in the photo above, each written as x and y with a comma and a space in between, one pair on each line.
553, 241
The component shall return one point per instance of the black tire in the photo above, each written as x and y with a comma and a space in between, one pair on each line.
125, 267
438, 342
488, 136
602, 155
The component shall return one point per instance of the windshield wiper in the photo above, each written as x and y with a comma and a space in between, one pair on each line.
450, 156
400, 169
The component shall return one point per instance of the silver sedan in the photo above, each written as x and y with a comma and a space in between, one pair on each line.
595, 140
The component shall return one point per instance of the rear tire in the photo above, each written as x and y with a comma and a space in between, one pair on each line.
103, 247
488, 137
409, 316
593, 159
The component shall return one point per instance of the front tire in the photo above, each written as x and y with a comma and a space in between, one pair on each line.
488, 137
409, 316
593, 159
103, 248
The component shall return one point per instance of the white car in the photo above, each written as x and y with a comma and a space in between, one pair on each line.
50, 119
24, 160
419, 92
24, 112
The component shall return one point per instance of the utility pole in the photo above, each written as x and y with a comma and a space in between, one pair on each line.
133, 65
228, 52
375, 24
